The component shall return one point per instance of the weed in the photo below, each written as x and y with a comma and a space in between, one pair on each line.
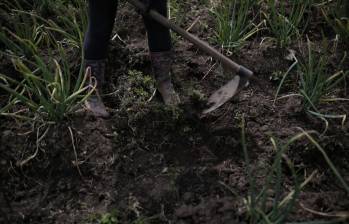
111, 217
137, 87
108, 218
233, 26
284, 19
276, 76
175, 13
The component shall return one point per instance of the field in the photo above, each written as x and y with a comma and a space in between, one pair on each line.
278, 152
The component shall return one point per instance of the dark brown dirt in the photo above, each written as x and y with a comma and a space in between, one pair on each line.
168, 165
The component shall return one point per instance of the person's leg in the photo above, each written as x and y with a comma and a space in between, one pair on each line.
101, 16
159, 37
160, 46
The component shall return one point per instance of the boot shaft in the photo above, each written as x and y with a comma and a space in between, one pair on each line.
97, 70
161, 63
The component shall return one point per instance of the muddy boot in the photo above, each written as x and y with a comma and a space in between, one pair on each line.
161, 65
94, 103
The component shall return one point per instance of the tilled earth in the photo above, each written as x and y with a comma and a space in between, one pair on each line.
157, 164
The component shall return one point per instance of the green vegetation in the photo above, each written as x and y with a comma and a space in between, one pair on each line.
234, 23
47, 91
271, 204
108, 218
39, 49
338, 18
138, 88
316, 83
285, 18
113, 217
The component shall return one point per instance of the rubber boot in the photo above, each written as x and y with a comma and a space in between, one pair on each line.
161, 65
94, 103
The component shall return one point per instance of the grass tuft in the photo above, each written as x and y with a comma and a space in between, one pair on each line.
47, 88
315, 83
285, 18
271, 204
234, 24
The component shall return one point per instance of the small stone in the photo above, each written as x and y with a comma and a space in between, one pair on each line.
187, 196
3, 162
165, 170
264, 128
6, 133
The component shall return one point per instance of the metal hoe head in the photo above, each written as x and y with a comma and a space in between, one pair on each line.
225, 93
222, 95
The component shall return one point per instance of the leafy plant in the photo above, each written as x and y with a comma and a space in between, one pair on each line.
284, 19
23, 34
26, 32
176, 13
71, 22
271, 204
233, 23
138, 88
315, 82
108, 218
338, 18
260, 207
316, 85
40, 49
46, 90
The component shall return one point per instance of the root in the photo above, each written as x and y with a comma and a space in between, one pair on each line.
344, 215
76, 163
38, 140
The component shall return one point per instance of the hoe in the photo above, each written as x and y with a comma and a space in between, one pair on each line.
230, 89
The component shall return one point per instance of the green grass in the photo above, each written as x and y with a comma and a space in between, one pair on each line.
261, 206
114, 217
315, 81
176, 14
285, 19
137, 88
272, 204
47, 89
338, 18
22, 34
234, 23
27, 33
43, 52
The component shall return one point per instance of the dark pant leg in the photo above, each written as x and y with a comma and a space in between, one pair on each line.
159, 37
101, 16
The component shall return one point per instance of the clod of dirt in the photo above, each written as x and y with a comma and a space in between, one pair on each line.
212, 211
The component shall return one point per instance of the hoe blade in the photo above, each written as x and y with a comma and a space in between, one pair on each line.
223, 94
